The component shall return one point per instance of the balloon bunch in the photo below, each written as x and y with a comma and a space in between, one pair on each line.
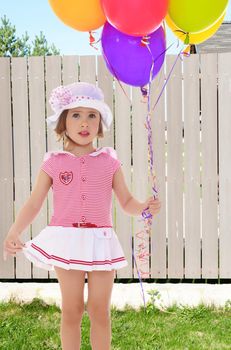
133, 36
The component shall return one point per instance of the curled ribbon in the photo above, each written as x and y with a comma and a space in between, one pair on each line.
143, 237
92, 40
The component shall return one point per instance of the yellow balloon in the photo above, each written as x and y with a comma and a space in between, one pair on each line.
82, 15
196, 15
194, 38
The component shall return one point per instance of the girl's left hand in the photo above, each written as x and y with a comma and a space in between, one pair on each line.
153, 205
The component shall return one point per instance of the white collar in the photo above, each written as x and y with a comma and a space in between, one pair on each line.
97, 151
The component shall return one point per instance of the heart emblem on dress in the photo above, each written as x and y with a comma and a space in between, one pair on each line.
66, 177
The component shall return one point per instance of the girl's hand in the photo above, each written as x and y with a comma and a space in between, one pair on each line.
153, 205
12, 245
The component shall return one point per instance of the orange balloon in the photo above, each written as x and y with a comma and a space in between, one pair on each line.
83, 15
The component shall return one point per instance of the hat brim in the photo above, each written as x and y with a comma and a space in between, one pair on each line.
100, 106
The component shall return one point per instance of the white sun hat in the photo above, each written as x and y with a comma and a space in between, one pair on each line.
78, 95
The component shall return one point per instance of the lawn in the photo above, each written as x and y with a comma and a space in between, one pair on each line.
36, 326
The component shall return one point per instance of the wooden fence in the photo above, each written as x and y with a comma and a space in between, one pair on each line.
191, 237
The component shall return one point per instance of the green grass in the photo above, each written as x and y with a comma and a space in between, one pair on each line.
36, 326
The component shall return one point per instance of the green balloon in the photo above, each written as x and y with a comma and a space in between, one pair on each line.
196, 15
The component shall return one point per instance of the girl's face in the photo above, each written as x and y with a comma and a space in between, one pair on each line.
82, 124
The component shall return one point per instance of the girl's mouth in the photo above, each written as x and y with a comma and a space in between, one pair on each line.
84, 133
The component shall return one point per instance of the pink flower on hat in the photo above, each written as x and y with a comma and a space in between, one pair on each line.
61, 97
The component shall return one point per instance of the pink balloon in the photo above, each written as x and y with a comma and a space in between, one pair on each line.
135, 17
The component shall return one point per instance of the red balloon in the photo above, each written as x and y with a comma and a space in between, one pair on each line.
135, 17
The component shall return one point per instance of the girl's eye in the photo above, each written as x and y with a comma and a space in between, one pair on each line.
75, 115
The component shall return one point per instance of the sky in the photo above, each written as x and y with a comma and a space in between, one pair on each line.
35, 16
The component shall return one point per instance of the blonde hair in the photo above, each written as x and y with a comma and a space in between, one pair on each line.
61, 129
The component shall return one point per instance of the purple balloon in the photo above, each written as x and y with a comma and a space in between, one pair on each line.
130, 61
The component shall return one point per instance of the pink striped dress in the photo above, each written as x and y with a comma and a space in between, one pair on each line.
80, 234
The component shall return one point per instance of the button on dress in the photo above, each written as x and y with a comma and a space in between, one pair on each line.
82, 194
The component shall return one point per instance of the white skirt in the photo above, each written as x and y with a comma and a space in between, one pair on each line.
76, 248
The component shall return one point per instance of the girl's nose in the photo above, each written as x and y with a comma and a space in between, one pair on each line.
84, 123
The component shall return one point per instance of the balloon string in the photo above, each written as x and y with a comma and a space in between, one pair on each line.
144, 236
167, 79
150, 144
140, 279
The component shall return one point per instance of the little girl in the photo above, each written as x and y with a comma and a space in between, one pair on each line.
80, 238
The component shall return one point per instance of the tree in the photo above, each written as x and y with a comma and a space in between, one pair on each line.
41, 48
10, 45
13, 46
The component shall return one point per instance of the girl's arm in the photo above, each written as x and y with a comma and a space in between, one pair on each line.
128, 203
33, 204
28, 212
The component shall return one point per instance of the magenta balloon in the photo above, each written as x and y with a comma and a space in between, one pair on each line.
128, 60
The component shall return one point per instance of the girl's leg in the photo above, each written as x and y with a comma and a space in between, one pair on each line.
100, 285
72, 290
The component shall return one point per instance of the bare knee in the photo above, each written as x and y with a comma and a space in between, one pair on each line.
72, 314
98, 313
72, 290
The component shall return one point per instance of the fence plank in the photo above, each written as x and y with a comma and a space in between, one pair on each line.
224, 164
158, 237
52, 79
174, 169
209, 165
37, 139
70, 69
105, 82
140, 180
192, 167
87, 69
6, 165
123, 148
21, 151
